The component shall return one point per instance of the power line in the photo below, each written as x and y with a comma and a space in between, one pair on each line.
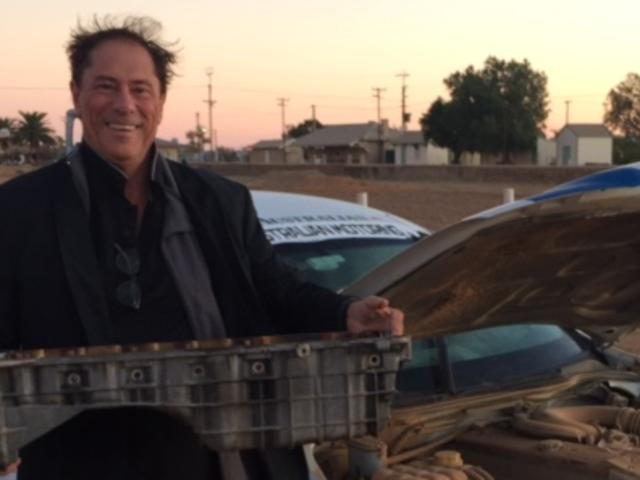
271, 92
10, 87
578, 95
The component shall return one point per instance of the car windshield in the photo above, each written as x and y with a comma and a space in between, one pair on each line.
489, 358
484, 359
337, 263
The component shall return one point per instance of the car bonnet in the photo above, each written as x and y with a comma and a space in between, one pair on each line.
570, 256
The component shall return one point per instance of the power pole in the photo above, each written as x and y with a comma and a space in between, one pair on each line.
210, 103
405, 116
282, 103
378, 95
313, 118
567, 103
197, 131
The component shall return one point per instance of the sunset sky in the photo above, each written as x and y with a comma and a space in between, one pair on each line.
330, 54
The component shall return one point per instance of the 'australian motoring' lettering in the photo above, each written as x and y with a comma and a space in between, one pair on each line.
319, 231
318, 218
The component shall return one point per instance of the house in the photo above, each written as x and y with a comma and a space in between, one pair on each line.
584, 144
173, 150
271, 151
411, 149
355, 143
266, 151
545, 151
5, 136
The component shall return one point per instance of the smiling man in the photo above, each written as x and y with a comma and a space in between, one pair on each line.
114, 244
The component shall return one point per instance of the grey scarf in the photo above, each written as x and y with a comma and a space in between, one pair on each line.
180, 248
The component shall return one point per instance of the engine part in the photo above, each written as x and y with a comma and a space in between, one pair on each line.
251, 393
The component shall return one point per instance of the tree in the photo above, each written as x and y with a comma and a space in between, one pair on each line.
626, 150
623, 107
7, 131
33, 130
498, 109
303, 128
8, 123
197, 138
463, 123
227, 155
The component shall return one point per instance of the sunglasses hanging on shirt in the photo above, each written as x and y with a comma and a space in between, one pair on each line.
128, 293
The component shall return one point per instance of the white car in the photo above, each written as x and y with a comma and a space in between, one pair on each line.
332, 242
513, 313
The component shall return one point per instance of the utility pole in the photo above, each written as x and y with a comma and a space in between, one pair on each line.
378, 95
213, 151
567, 103
197, 140
282, 103
313, 118
405, 115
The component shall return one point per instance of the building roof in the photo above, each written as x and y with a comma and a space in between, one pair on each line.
161, 143
587, 130
337, 135
267, 144
410, 137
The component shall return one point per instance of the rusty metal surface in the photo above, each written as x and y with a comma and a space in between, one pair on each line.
237, 394
573, 263
194, 345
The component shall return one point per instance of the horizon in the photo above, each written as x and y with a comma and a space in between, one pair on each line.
330, 57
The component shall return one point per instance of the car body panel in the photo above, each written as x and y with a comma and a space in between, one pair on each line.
544, 400
570, 256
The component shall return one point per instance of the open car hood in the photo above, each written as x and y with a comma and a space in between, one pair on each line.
570, 256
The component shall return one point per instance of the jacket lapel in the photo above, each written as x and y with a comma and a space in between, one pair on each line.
78, 257
185, 259
231, 280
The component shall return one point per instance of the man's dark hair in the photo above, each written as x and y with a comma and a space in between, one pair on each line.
144, 31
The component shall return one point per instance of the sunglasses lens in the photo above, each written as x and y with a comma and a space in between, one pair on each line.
128, 293
128, 262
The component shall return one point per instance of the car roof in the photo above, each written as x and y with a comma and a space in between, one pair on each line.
297, 218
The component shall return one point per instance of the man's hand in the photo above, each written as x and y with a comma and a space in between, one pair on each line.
9, 469
373, 314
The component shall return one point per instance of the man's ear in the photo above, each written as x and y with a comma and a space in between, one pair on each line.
75, 92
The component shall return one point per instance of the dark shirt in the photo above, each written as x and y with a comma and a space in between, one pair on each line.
113, 221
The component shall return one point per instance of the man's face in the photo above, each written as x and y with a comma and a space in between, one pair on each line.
119, 102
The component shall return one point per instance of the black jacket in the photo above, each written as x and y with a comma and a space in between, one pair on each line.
51, 293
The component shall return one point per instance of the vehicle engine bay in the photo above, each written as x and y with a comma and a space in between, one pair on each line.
592, 436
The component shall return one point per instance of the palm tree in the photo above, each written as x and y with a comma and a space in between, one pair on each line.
7, 131
8, 123
33, 130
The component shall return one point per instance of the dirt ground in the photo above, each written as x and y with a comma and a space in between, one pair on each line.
434, 205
